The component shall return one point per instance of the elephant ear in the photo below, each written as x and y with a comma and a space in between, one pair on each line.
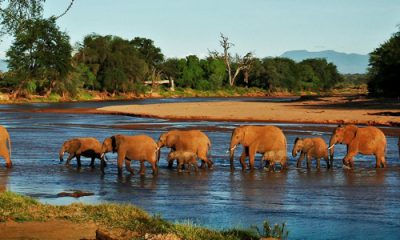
350, 132
297, 139
74, 145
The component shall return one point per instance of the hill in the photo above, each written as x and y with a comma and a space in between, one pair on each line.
346, 62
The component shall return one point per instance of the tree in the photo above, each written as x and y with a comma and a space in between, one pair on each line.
324, 72
40, 56
384, 68
14, 12
151, 54
236, 64
114, 62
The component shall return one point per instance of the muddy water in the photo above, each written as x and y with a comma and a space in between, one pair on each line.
338, 204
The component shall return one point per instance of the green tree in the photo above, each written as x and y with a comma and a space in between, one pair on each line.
215, 72
40, 56
325, 72
14, 12
151, 54
191, 72
116, 64
384, 68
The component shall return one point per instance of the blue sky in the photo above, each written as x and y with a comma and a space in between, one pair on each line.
266, 27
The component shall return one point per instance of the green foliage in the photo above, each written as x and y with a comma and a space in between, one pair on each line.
114, 63
20, 208
278, 231
40, 55
282, 74
384, 68
151, 54
13, 13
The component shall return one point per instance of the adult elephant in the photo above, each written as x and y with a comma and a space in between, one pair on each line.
258, 139
365, 140
77, 147
140, 148
5, 146
187, 140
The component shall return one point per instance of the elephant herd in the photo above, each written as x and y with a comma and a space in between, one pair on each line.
187, 146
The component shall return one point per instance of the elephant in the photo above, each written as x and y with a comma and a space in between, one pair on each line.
139, 147
311, 148
187, 140
273, 156
258, 139
365, 140
77, 147
5, 146
184, 157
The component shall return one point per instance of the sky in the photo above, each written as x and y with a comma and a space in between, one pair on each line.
264, 27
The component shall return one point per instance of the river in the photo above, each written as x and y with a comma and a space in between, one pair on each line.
335, 204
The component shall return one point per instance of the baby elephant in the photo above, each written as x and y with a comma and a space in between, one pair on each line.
77, 147
311, 148
273, 157
183, 157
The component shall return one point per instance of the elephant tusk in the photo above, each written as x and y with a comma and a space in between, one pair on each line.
157, 148
329, 148
231, 149
102, 155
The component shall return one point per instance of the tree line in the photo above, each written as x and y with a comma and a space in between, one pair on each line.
42, 61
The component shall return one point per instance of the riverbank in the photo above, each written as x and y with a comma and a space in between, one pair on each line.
341, 109
87, 95
25, 218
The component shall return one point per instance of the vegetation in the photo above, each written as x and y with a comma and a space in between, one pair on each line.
19, 208
384, 69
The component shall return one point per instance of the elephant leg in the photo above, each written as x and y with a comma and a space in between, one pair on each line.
380, 160
328, 165
202, 154
196, 169
245, 153
6, 155
271, 166
252, 154
128, 166
171, 163
120, 161
308, 159
318, 163
180, 166
154, 168
300, 160
78, 159
348, 160
70, 157
92, 162
142, 168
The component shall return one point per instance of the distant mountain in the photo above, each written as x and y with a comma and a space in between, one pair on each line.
3, 65
345, 62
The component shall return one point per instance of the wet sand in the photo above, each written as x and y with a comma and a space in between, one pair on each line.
325, 110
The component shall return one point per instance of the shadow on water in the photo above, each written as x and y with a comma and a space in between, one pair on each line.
340, 204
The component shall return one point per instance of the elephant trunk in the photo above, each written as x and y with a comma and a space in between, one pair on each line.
232, 154
62, 150
294, 151
331, 149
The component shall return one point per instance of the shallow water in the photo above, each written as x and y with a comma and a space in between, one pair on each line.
338, 204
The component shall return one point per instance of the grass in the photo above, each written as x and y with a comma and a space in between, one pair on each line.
21, 208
